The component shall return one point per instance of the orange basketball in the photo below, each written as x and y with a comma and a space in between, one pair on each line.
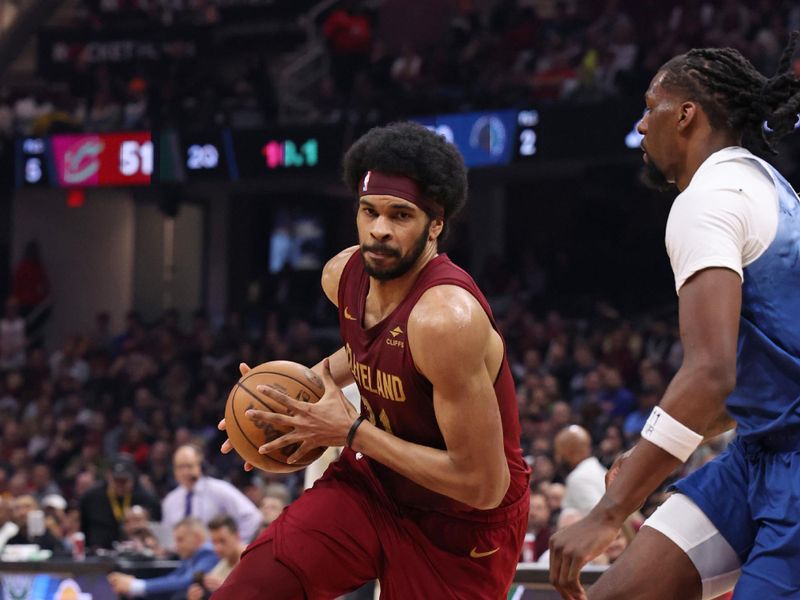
294, 380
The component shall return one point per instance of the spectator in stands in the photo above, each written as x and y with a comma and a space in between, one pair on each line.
197, 556
42, 483
543, 469
22, 508
204, 497
134, 444
585, 484
10, 400
114, 437
406, 69
537, 537
4, 477
105, 113
103, 507
229, 547
54, 507
159, 467
560, 416
138, 537
648, 398
67, 365
611, 446
349, 35
615, 398
617, 547
28, 107
567, 517
6, 114
6, 513
31, 286
276, 498
12, 337
554, 492
18, 484
84, 481
134, 111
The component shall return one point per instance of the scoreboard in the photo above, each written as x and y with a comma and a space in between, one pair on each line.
103, 159
489, 138
493, 138
129, 159
85, 160
204, 156
264, 153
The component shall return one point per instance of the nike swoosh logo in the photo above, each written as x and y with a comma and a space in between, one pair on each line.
475, 554
347, 314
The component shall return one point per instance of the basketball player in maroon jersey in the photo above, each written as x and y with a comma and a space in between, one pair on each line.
430, 494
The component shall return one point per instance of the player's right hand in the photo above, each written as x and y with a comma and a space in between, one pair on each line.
226, 445
572, 548
612, 473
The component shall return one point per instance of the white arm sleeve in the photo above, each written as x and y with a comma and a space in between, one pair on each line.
722, 226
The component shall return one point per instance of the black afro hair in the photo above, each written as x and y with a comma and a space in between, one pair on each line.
414, 151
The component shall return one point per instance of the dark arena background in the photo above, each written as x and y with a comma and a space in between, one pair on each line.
170, 189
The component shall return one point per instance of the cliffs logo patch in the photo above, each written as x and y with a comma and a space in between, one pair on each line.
394, 341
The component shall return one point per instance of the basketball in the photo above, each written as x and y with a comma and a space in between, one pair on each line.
294, 380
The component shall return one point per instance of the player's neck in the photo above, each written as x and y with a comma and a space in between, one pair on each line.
385, 295
698, 153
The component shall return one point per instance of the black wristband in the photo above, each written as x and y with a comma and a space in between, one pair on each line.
352, 433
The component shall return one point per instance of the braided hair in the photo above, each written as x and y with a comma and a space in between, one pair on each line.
735, 96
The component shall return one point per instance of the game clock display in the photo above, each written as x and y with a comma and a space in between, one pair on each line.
205, 156
294, 150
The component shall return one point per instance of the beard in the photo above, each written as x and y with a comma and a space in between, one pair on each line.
404, 263
652, 177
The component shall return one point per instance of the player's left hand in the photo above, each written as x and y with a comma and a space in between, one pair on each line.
324, 423
572, 548
227, 447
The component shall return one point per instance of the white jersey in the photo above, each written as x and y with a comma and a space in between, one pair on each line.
726, 217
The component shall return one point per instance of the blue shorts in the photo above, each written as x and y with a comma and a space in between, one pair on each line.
751, 493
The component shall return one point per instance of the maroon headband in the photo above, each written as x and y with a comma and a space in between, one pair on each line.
381, 184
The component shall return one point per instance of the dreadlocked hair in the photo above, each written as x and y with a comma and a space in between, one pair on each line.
736, 96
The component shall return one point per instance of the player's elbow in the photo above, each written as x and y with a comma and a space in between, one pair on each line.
488, 491
719, 378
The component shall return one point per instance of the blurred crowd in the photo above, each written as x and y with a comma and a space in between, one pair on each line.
526, 52
477, 54
120, 421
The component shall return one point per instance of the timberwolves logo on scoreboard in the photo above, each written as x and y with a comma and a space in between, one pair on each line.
489, 134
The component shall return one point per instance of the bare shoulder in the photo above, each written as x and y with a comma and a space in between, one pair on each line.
449, 325
448, 306
332, 272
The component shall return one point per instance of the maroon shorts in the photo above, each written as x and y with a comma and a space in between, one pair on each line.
345, 531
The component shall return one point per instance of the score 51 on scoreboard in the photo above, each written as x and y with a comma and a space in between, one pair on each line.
86, 160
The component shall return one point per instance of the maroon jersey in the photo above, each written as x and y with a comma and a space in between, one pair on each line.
399, 399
